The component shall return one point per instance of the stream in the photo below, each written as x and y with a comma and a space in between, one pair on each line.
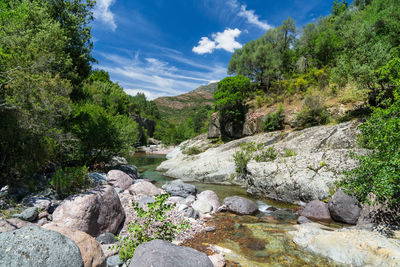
260, 240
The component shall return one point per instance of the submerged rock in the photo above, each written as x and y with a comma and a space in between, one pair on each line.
240, 205
348, 246
35, 246
344, 208
162, 253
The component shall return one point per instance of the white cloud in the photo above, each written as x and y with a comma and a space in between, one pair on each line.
221, 40
205, 46
226, 40
102, 13
156, 77
249, 15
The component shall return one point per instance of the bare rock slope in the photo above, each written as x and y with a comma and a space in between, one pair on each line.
317, 158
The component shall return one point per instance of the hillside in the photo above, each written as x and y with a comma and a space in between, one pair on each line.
178, 108
211, 88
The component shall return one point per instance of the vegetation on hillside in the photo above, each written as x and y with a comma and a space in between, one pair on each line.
357, 46
55, 112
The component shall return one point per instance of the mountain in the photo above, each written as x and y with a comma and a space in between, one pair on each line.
177, 108
211, 88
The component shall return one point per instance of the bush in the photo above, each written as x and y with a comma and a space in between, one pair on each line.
379, 171
274, 121
152, 223
289, 153
241, 158
313, 112
193, 150
69, 181
268, 155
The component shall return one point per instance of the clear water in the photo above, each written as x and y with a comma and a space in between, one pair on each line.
260, 240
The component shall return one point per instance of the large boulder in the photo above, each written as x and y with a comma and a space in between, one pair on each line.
94, 212
317, 210
12, 224
90, 249
323, 153
210, 197
144, 188
348, 246
179, 188
240, 205
130, 170
253, 123
35, 246
162, 253
344, 208
119, 179
214, 127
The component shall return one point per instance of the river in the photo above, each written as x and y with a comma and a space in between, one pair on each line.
260, 240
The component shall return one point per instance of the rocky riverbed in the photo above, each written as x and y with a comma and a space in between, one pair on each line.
226, 230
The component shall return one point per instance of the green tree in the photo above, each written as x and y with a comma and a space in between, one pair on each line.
379, 171
230, 103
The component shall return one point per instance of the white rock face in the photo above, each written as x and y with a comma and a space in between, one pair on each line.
322, 153
348, 246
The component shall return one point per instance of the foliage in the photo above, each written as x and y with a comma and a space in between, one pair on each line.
230, 97
46, 92
270, 154
289, 153
347, 46
249, 151
100, 133
313, 112
379, 171
274, 121
193, 150
69, 180
152, 223
241, 158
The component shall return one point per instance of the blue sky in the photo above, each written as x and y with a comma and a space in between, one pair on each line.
169, 47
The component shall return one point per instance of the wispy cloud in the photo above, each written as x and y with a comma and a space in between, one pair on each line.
103, 13
156, 77
249, 15
225, 40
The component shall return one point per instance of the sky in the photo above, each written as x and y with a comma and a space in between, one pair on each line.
170, 47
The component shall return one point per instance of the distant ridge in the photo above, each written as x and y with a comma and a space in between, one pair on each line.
177, 108
211, 88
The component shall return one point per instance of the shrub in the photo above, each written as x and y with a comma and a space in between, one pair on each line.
268, 155
274, 121
193, 150
289, 153
313, 112
241, 158
69, 180
152, 223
